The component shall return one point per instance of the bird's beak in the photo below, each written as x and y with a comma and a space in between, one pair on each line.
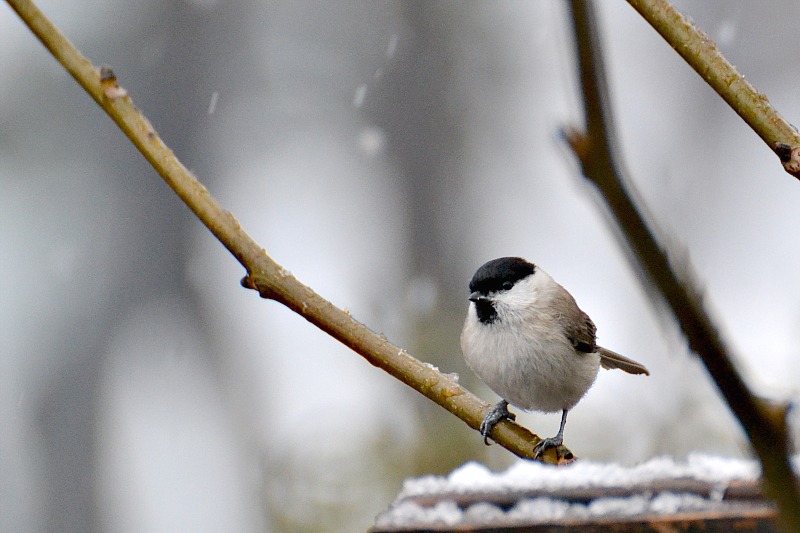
477, 297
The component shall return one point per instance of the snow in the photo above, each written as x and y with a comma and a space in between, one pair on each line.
483, 512
212, 105
542, 509
410, 508
391, 48
446, 513
528, 475
360, 94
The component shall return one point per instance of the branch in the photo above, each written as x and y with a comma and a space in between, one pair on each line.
704, 57
764, 424
263, 274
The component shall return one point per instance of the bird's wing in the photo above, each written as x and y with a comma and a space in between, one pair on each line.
579, 328
609, 359
581, 332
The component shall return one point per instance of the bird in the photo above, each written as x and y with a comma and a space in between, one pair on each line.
527, 339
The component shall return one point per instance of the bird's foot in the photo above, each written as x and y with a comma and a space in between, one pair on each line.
546, 444
495, 415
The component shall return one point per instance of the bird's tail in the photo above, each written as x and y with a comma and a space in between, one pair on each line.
609, 359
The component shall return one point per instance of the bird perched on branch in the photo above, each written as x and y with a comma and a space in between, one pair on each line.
528, 340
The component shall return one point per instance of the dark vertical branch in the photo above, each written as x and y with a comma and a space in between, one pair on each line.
601, 165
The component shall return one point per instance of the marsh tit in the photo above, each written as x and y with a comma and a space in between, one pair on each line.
528, 340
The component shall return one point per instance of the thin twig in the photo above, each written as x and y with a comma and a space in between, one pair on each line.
265, 275
765, 424
705, 58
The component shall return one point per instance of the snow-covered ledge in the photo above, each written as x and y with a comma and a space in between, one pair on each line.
718, 492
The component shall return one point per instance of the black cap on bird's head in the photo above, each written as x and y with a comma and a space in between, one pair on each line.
494, 276
500, 274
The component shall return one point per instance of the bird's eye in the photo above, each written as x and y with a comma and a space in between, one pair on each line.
507, 285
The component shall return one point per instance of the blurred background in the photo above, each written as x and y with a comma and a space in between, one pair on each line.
381, 151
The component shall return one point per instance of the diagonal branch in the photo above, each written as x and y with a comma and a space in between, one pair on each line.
263, 274
765, 424
704, 57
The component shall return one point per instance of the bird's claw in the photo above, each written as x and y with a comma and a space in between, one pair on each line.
545, 444
495, 415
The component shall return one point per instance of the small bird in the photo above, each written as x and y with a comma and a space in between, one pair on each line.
528, 340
